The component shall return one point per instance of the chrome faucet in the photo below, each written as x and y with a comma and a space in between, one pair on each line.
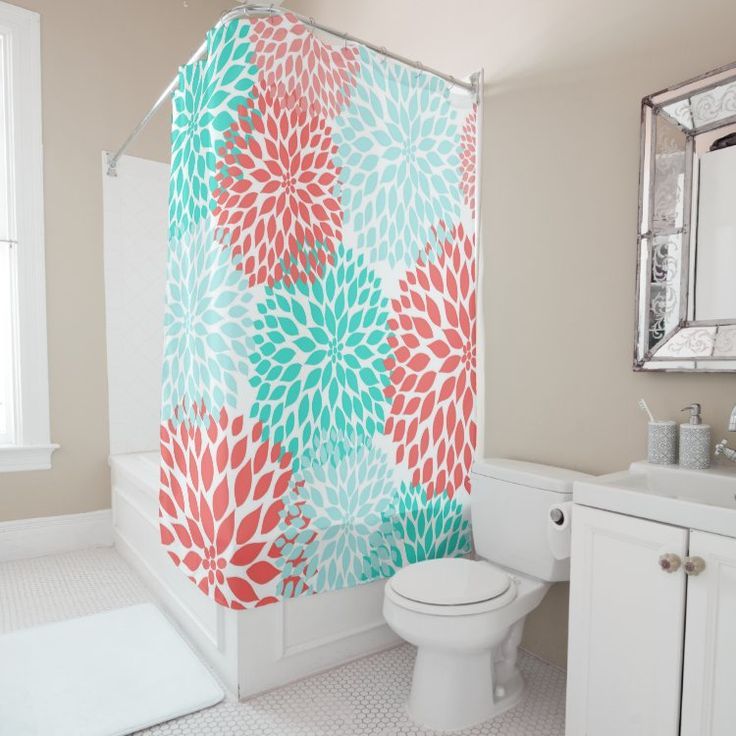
722, 447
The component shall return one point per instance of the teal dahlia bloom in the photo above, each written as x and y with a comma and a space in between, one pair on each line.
415, 529
205, 105
430, 528
319, 361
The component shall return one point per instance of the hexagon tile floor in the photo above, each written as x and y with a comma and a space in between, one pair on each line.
363, 698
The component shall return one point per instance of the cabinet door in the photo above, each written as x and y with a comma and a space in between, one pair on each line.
709, 682
626, 627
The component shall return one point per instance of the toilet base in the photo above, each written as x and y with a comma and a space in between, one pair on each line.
452, 691
466, 670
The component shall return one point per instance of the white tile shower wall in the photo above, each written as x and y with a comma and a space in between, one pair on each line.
135, 211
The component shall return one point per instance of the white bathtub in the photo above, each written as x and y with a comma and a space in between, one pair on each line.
252, 650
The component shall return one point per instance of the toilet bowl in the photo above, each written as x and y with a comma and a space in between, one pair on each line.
465, 671
466, 617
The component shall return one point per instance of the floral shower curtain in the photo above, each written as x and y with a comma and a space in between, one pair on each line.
319, 380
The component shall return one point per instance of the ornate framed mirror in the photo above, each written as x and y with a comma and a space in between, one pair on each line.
686, 267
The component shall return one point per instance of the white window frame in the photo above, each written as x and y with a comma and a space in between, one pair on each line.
31, 448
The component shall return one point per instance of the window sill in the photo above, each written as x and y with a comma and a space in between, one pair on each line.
16, 458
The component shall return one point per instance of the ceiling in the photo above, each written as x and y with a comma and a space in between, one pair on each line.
516, 39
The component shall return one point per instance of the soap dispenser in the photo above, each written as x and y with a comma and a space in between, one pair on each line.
694, 441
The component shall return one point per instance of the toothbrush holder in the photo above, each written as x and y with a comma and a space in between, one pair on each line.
662, 446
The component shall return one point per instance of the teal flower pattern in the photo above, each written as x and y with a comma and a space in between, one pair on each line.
398, 146
431, 528
207, 328
320, 357
340, 507
205, 105
417, 528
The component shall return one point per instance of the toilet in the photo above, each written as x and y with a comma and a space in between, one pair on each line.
466, 617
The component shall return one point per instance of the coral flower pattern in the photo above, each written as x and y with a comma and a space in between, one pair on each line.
319, 372
205, 104
206, 328
397, 150
275, 202
304, 72
319, 361
468, 164
220, 504
434, 377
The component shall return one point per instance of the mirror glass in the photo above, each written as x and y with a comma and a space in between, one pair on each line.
715, 291
686, 272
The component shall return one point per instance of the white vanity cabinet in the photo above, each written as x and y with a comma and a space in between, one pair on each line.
652, 649
709, 672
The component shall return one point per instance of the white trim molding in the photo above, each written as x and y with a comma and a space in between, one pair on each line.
31, 447
52, 535
15, 458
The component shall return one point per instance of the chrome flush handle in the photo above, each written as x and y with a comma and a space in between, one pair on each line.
694, 565
670, 562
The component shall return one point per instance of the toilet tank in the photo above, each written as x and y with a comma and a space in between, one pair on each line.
509, 507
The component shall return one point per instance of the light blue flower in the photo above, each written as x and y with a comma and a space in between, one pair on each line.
332, 516
205, 104
206, 327
398, 149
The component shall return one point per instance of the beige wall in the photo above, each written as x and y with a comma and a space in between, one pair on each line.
564, 81
104, 62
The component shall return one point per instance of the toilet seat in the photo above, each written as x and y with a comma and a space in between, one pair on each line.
451, 587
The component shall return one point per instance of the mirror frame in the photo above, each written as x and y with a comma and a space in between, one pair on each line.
667, 338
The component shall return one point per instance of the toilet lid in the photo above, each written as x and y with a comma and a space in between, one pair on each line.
450, 582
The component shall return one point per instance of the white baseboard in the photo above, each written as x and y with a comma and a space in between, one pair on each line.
51, 535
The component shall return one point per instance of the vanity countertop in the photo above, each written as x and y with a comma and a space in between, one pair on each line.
696, 499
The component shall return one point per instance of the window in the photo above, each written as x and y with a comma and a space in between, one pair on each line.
24, 410
7, 405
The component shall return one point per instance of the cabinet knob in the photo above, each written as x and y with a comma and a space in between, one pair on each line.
670, 562
694, 565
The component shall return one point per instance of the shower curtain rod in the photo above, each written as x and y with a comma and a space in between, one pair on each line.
249, 9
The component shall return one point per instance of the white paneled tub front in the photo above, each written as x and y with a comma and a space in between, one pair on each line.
253, 650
